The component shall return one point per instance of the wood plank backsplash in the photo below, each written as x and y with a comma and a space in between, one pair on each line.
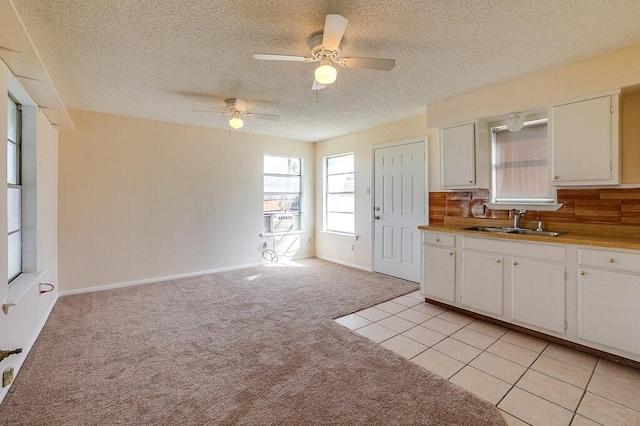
611, 206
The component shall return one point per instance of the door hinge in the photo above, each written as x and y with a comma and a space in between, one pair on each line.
611, 165
565, 325
611, 109
565, 276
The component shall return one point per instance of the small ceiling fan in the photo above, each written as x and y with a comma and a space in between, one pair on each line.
326, 48
236, 108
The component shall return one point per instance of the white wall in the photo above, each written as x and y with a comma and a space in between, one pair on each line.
22, 324
336, 247
142, 200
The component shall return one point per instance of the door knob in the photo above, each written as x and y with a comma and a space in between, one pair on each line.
377, 209
376, 217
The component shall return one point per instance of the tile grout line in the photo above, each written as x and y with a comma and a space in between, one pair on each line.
468, 364
602, 396
575, 413
522, 375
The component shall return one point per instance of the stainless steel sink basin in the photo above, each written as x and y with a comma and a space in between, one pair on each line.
519, 231
488, 229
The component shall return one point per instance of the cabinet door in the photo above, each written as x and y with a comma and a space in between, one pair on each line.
482, 282
582, 142
608, 311
458, 157
538, 294
439, 273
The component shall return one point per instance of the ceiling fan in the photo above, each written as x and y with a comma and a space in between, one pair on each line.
237, 109
326, 48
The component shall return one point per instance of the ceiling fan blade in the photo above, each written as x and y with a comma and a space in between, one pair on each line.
211, 112
269, 57
369, 63
6, 49
334, 28
270, 117
317, 86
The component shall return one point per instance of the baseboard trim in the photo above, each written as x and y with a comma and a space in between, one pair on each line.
340, 262
27, 348
154, 280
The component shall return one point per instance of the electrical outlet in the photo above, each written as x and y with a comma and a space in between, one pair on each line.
7, 376
353, 247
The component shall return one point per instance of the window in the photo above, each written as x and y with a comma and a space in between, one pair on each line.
14, 189
282, 193
339, 194
520, 166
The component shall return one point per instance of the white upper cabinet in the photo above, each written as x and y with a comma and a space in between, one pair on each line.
585, 142
465, 156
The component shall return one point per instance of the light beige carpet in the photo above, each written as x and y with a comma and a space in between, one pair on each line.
256, 346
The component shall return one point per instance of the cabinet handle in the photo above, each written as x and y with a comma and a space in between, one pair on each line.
498, 261
612, 260
437, 240
470, 181
515, 263
556, 177
450, 253
583, 273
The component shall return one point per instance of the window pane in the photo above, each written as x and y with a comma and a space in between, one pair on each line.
341, 222
281, 203
521, 164
340, 183
282, 184
15, 254
341, 164
340, 203
12, 120
12, 163
281, 165
13, 209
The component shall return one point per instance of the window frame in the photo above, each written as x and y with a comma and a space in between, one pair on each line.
327, 193
297, 214
495, 201
18, 185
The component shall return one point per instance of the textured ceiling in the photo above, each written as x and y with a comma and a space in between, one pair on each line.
159, 59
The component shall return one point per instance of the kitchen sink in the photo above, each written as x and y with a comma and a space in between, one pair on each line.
519, 231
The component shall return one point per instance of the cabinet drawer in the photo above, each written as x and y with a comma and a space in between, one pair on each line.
628, 262
441, 240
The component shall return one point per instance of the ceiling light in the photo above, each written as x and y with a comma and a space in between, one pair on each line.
326, 73
236, 122
515, 122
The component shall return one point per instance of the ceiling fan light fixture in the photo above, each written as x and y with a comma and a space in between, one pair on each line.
515, 122
236, 122
326, 73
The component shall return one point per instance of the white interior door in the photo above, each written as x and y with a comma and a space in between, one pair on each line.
399, 208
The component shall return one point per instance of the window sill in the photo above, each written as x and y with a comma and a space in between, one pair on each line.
279, 234
542, 207
340, 234
20, 287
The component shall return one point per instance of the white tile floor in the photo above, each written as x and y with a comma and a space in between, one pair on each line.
530, 380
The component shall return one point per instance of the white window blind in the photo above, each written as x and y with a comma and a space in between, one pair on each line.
520, 169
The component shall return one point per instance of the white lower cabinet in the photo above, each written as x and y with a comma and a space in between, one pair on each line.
439, 273
609, 299
585, 295
482, 282
538, 294
438, 266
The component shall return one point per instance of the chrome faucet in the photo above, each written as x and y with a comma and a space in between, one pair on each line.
517, 217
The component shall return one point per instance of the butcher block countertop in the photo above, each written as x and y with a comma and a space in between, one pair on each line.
597, 235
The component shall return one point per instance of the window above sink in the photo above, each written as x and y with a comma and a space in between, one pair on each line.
520, 168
